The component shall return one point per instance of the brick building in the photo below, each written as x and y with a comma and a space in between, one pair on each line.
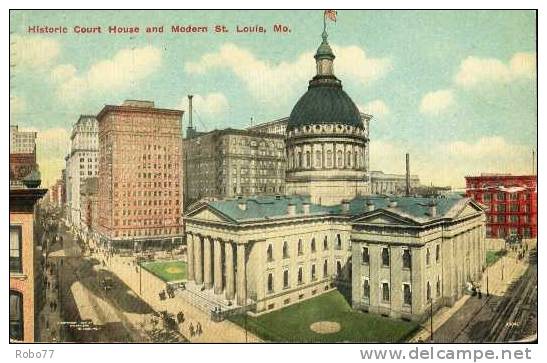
24, 262
230, 162
140, 196
512, 203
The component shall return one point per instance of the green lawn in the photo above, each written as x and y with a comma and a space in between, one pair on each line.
493, 256
292, 324
167, 270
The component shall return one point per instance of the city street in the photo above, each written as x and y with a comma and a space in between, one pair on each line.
507, 314
114, 313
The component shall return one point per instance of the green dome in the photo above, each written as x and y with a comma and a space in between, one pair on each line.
325, 103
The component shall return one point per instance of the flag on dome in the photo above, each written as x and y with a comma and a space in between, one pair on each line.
331, 15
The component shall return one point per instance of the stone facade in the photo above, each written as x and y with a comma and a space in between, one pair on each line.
83, 162
268, 252
381, 183
227, 163
140, 173
278, 127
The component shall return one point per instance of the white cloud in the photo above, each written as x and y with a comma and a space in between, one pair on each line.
273, 82
33, 51
449, 163
17, 105
474, 71
376, 108
124, 70
434, 103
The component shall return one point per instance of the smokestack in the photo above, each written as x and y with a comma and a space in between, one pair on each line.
407, 174
190, 111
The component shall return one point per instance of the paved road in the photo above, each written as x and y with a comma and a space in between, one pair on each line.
498, 318
113, 313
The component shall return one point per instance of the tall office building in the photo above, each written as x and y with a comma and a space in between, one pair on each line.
140, 171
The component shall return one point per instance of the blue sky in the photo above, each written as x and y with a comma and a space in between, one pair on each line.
456, 89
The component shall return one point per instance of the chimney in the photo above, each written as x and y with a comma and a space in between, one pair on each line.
291, 209
370, 205
392, 203
432, 209
345, 206
306, 207
190, 111
242, 204
407, 174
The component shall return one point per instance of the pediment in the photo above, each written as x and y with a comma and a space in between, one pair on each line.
470, 209
205, 213
383, 218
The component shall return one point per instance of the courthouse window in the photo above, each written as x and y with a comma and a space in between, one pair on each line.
270, 253
407, 294
285, 250
385, 256
366, 256
15, 249
286, 278
407, 258
366, 290
385, 292
270, 283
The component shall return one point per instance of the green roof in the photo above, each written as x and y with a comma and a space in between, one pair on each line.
269, 207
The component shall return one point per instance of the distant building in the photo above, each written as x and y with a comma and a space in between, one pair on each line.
24, 262
278, 127
21, 142
90, 208
511, 202
83, 162
395, 184
230, 162
140, 174
56, 193
21, 165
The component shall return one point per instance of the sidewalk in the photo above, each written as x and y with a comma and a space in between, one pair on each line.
512, 270
221, 332
50, 314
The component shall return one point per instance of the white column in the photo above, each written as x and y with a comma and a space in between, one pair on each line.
229, 262
241, 276
190, 256
207, 271
198, 260
217, 267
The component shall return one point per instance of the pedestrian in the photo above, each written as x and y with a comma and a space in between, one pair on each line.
191, 328
198, 328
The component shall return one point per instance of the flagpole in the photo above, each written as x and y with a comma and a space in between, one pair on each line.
324, 22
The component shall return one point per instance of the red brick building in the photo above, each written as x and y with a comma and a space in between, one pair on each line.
512, 203
140, 192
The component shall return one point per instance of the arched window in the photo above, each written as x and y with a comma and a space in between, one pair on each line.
270, 283
428, 291
300, 247
270, 253
285, 279
338, 268
340, 159
329, 159
325, 243
299, 159
300, 276
313, 277
325, 268
285, 249
313, 245
357, 156
438, 286
318, 159
427, 257
348, 159
308, 159
15, 315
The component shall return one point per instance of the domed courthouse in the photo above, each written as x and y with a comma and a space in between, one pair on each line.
393, 255
327, 139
